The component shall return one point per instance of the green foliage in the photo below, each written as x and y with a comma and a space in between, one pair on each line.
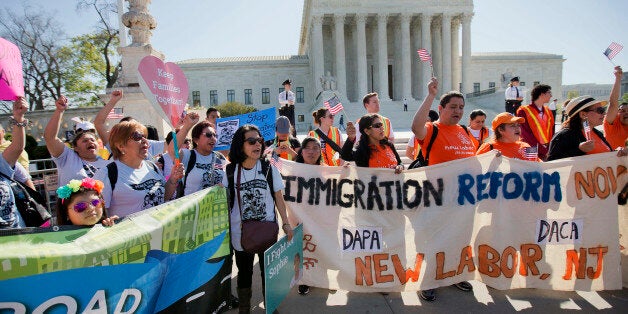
572, 94
624, 98
38, 152
229, 109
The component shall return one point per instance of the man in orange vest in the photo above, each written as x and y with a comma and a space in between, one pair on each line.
371, 104
539, 127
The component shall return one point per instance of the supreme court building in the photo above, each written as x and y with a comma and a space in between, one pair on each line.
352, 47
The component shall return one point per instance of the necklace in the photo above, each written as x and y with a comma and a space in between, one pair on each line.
254, 169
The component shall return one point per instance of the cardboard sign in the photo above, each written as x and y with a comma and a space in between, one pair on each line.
165, 86
11, 79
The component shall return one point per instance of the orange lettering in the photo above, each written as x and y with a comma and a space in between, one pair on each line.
405, 274
363, 271
379, 268
509, 254
488, 265
440, 264
528, 260
580, 182
601, 193
466, 259
600, 251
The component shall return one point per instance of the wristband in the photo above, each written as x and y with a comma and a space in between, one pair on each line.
14, 122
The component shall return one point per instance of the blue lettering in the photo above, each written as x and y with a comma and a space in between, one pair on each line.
481, 179
533, 182
465, 182
517, 184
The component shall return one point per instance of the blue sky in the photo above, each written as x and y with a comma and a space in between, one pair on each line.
579, 30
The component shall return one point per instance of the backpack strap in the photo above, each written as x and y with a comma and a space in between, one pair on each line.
189, 167
328, 141
112, 173
431, 142
230, 171
268, 174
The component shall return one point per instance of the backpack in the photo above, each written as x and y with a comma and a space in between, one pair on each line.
112, 173
230, 170
421, 161
30, 204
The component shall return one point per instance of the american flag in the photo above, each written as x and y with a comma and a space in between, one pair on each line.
115, 113
424, 55
613, 50
531, 153
275, 160
334, 105
587, 129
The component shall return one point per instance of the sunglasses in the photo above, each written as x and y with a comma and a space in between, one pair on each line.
137, 136
82, 206
329, 116
600, 110
209, 134
253, 140
376, 125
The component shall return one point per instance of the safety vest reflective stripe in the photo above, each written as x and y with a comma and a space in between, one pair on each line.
540, 129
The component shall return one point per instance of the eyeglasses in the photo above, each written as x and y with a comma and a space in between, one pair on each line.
137, 136
600, 110
376, 125
82, 206
209, 134
253, 140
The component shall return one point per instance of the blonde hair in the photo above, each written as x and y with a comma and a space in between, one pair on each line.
120, 134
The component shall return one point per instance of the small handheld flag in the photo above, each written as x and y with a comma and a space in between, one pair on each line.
612, 51
587, 129
425, 56
531, 153
333, 105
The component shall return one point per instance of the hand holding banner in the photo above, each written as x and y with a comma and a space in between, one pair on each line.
11, 79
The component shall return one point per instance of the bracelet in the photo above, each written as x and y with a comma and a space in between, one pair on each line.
14, 122
286, 224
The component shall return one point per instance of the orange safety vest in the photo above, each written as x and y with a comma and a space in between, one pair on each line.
542, 129
328, 154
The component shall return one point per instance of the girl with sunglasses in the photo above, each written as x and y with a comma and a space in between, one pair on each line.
253, 195
80, 203
327, 133
579, 135
204, 167
139, 184
373, 150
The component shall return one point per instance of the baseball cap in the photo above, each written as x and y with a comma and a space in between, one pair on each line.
282, 125
506, 117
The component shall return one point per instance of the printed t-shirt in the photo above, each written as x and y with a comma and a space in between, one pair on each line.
207, 171
71, 166
256, 199
135, 190
9, 215
452, 142
382, 156
600, 146
510, 150
328, 153
616, 133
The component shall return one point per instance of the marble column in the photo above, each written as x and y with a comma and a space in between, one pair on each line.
341, 70
316, 47
466, 52
455, 54
360, 25
426, 43
446, 28
415, 32
382, 56
406, 77
437, 43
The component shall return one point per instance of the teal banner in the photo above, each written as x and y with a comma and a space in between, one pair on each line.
283, 264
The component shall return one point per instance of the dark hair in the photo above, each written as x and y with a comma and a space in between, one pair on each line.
318, 114
477, 112
82, 133
236, 154
127, 119
210, 110
573, 123
367, 97
306, 141
197, 130
444, 100
498, 133
152, 133
433, 115
362, 148
62, 206
538, 90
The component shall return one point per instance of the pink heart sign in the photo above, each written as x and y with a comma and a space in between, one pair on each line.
11, 79
164, 84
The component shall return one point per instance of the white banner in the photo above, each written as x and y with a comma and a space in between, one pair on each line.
506, 222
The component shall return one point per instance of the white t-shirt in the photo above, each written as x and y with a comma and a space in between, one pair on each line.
135, 190
20, 175
257, 202
155, 148
476, 133
207, 170
71, 166
9, 216
511, 93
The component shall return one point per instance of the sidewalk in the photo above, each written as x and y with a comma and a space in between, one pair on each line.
449, 300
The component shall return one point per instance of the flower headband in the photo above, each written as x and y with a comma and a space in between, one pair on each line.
64, 192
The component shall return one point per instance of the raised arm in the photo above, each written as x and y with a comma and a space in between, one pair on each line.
190, 120
53, 143
422, 114
101, 117
613, 106
13, 151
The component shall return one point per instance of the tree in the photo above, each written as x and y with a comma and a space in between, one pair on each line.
572, 94
229, 109
106, 38
37, 35
624, 98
